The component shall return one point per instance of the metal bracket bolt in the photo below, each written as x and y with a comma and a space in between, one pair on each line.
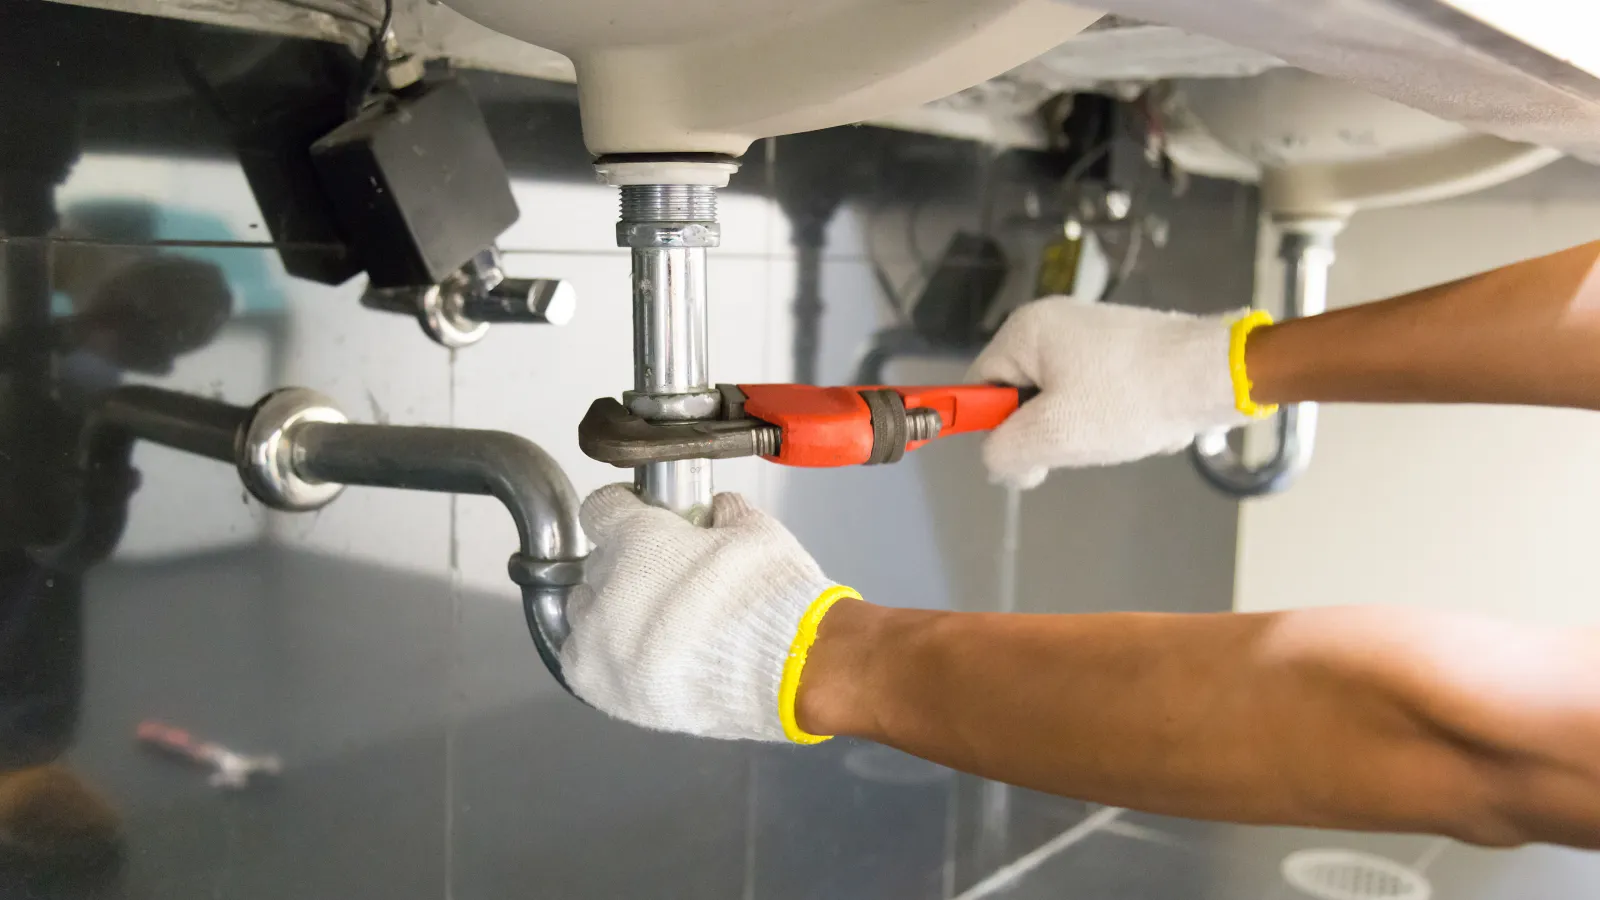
458, 311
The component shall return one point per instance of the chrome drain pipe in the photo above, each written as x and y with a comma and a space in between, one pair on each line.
295, 451
668, 221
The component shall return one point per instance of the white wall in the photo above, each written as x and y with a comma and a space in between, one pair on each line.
1475, 508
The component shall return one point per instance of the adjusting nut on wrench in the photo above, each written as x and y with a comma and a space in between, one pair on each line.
458, 311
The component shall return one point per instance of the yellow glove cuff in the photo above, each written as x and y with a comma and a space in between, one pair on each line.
794, 666
1237, 336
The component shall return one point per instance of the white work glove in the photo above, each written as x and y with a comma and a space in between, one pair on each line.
1117, 383
691, 629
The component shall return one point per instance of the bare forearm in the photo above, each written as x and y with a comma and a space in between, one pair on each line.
1524, 334
1173, 714
1243, 718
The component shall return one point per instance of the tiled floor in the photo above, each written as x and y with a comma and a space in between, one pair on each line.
1135, 856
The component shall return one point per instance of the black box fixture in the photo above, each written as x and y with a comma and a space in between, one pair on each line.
416, 184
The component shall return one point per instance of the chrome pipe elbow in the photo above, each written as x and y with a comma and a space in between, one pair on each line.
295, 451
1306, 249
525, 479
1224, 468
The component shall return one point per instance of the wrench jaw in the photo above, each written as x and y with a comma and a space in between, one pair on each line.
611, 433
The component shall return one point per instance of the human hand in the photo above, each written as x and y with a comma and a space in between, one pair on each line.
702, 630
1117, 383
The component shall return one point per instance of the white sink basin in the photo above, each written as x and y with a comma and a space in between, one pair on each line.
711, 76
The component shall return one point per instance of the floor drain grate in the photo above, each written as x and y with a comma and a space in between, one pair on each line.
1348, 875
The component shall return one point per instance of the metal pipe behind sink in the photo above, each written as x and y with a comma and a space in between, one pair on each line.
1306, 249
510, 468
184, 422
670, 366
295, 452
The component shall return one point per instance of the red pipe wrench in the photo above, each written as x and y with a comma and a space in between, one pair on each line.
802, 425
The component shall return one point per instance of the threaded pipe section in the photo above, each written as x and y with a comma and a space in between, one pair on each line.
923, 424
669, 203
768, 440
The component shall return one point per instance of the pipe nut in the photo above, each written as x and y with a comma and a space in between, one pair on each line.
266, 450
527, 570
712, 172
441, 311
656, 235
438, 308
673, 407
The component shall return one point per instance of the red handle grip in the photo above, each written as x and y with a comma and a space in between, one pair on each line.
966, 407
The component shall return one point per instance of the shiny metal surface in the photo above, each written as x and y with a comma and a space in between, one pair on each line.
441, 311
1223, 466
296, 452
673, 407
197, 425
1306, 250
268, 455
643, 204
647, 235
685, 487
458, 312
488, 296
438, 308
613, 434
670, 319
540, 301
671, 355
512, 469
923, 424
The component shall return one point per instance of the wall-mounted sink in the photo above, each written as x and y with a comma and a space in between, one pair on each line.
710, 76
